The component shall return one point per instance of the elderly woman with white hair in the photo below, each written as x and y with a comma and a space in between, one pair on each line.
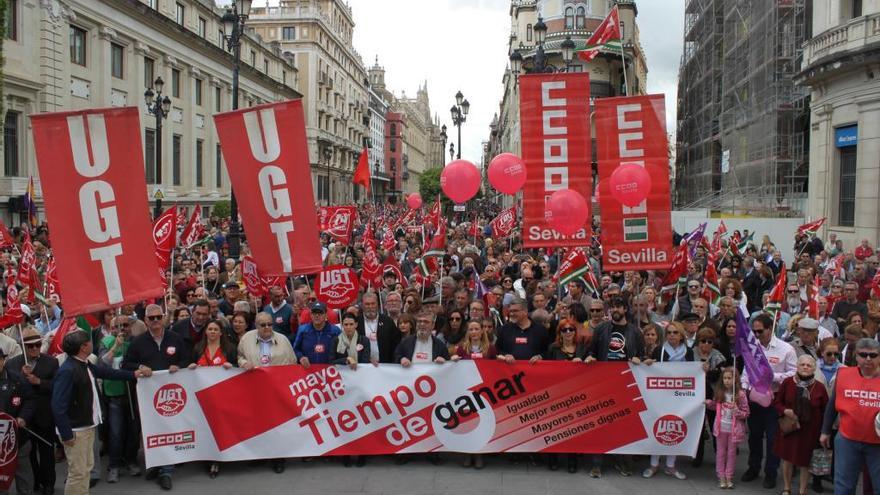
800, 402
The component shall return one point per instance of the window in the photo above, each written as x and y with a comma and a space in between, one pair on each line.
569, 18
199, 92
622, 31
847, 200
392, 145
221, 39
175, 158
150, 156
175, 83
203, 27
323, 188
11, 144
580, 18
529, 32
77, 46
117, 52
288, 33
284, 77
266, 66
253, 58
11, 18
217, 99
856, 8
149, 72
218, 164
180, 14
153, 4
393, 130
199, 155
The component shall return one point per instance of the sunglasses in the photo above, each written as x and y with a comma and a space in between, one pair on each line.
33, 346
567, 330
264, 325
123, 325
832, 354
868, 355
793, 291
693, 286
594, 310
155, 317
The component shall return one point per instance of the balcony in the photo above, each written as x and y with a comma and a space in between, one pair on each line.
856, 35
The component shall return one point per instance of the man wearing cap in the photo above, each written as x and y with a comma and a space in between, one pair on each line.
231, 294
39, 372
809, 334
313, 340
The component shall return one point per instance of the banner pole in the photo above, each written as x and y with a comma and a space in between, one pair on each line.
623, 63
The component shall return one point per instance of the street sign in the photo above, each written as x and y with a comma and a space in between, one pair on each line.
158, 194
459, 208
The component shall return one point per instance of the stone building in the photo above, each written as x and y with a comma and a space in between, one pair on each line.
79, 54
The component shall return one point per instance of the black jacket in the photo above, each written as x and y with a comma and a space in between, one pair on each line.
363, 353
182, 328
633, 344
387, 334
144, 351
16, 396
44, 367
751, 286
72, 394
407, 347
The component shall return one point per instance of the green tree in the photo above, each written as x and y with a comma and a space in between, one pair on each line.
429, 184
222, 209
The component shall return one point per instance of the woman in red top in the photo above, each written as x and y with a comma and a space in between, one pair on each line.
475, 345
214, 350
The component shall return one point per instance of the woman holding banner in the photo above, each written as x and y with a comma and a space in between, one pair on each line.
475, 345
566, 348
350, 348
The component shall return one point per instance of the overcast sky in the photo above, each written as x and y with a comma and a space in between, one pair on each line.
462, 45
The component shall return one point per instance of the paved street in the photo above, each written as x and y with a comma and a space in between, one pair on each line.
382, 476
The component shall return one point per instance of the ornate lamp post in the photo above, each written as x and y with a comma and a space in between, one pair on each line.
459, 113
444, 137
159, 105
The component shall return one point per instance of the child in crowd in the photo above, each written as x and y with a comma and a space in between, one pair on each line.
731, 410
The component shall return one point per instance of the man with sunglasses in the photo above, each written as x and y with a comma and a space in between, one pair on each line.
856, 399
39, 372
684, 304
763, 421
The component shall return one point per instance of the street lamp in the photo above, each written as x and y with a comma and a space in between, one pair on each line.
451, 151
233, 29
328, 154
567, 52
459, 113
540, 64
444, 137
159, 106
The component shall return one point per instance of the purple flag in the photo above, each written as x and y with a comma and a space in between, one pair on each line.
695, 238
749, 349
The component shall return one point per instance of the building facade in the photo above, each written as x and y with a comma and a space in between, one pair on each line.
100, 53
334, 84
841, 66
743, 123
376, 145
566, 18
395, 151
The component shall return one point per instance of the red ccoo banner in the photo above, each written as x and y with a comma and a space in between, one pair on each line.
555, 114
92, 170
632, 130
270, 176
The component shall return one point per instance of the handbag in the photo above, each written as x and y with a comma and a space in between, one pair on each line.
820, 462
788, 425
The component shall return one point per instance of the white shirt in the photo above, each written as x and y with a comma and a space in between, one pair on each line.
783, 361
371, 330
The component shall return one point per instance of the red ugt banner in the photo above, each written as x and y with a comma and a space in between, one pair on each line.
632, 130
555, 114
338, 221
270, 176
92, 169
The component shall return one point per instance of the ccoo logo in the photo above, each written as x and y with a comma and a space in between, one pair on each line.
670, 430
169, 400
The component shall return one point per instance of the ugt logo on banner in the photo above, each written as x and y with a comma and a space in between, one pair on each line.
89, 161
269, 176
337, 286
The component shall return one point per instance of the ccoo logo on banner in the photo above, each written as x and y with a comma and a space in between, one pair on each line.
92, 173
337, 287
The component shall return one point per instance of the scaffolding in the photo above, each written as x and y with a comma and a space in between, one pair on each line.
743, 123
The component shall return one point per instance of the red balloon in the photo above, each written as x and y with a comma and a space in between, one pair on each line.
630, 184
460, 180
567, 211
507, 173
414, 201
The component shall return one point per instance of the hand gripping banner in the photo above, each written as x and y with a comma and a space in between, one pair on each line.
555, 114
479, 406
634, 183
92, 172
267, 157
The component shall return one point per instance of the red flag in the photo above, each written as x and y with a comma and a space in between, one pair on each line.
635, 237
813, 298
338, 221
371, 269
276, 204
26, 262
362, 172
391, 265
337, 287
6, 239
433, 216
677, 271
181, 216
13, 315
9, 444
777, 295
388, 240
91, 166
607, 31
165, 237
572, 266
556, 151
712, 292
52, 284
810, 228
504, 223
251, 275
194, 231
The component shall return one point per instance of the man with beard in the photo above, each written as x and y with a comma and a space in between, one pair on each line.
421, 347
850, 303
191, 330
616, 340
794, 304
379, 329
520, 338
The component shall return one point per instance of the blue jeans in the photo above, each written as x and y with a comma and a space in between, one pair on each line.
123, 432
763, 423
850, 457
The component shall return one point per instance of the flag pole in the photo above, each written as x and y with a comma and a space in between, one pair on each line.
623, 62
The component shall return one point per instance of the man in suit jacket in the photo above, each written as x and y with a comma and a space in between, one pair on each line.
751, 284
39, 372
379, 329
421, 347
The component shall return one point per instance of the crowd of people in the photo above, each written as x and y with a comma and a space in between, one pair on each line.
487, 298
